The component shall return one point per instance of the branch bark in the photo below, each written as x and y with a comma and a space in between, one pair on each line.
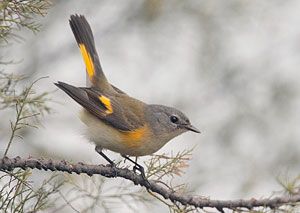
8, 164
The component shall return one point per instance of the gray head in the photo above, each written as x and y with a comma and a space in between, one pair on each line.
168, 122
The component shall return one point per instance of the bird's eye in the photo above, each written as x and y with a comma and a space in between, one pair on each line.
174, 118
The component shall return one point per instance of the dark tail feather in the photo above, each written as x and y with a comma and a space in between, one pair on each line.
83, 32
84, 36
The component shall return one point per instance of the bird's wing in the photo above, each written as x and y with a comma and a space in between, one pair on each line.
123, 113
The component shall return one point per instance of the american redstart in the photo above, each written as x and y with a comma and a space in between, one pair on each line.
114, 120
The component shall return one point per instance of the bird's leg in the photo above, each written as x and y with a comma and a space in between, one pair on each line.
98, 149
135, 163
137, 167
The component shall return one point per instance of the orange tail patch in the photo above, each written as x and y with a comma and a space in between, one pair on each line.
88, 61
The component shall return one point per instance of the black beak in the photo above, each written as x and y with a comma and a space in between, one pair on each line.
192, 128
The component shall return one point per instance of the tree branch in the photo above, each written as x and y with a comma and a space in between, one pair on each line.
8, 164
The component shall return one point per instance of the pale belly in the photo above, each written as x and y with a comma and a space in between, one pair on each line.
108, 138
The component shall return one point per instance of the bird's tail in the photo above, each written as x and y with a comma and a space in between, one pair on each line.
85, 40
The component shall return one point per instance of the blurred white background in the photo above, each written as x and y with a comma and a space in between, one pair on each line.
232, 66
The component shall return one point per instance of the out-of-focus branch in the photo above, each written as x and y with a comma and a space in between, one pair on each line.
7, 164
19, 14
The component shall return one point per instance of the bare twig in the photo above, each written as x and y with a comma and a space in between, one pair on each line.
20, 105
8, 164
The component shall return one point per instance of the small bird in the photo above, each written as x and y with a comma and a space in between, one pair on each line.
114, 120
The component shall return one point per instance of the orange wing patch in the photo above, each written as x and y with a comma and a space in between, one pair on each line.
107, 104
135, 138
88, 61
